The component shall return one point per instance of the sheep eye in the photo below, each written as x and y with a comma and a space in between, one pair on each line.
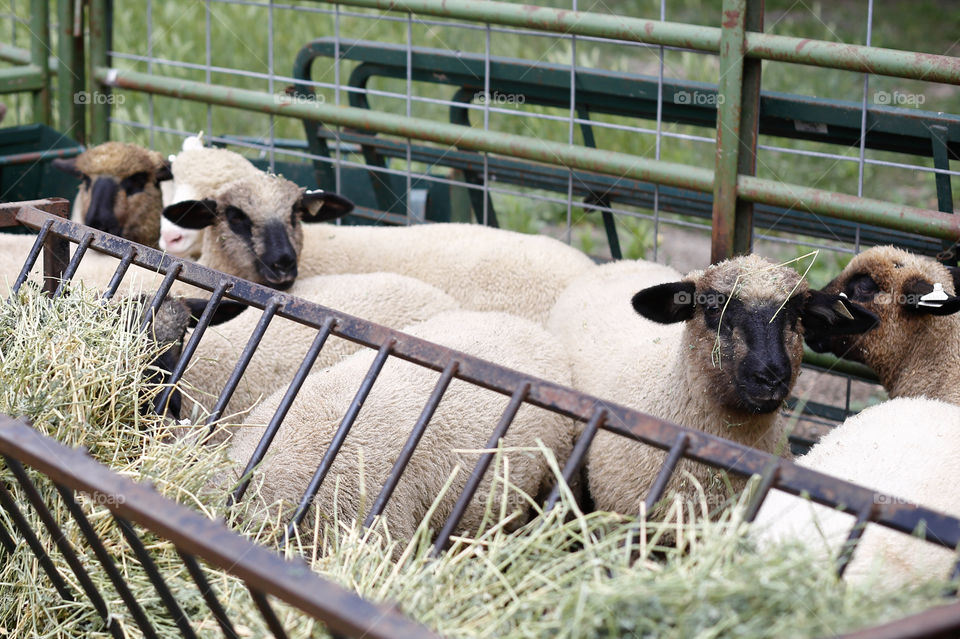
135, 183
861, 288
238, 221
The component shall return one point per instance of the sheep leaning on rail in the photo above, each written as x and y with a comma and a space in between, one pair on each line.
718, 351
905, 448
915, 348
462, 424
198, 173
385, 298
120, 190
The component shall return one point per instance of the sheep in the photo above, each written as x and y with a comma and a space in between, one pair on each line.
386, 298
198, 173
120, 190
464, 420
915, 348
717, 351
905, 448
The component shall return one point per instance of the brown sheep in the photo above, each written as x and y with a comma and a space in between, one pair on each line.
120, 190
914, 349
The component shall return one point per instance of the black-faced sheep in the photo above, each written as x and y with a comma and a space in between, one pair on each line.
905, 448
120, 190
462, 423
915, 348
718, 350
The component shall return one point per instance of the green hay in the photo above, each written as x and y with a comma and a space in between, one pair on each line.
75, 370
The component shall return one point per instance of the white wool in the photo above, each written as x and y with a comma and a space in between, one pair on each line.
481, 267
908, 448
463, 422
385, 298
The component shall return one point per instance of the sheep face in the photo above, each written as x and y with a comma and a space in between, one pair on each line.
743, 339
120, 190
254, 227
898, 288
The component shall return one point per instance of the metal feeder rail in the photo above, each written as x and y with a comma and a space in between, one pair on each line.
866, 505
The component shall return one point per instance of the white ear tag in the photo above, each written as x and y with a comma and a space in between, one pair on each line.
844, 296
934, 298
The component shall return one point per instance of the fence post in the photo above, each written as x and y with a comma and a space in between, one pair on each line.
70, 71
40, 56
99, 45
738, 91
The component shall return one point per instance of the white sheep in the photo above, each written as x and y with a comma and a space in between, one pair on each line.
716, 351
915, 348
906, 448
463, 422
482, 268
385, 298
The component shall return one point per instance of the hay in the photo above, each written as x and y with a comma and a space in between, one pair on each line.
75, 370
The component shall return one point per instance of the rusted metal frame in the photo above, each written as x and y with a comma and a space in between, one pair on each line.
32, 256
749, 131
578, 454
191, 346
728, 144
96, 544
290, 580
759, 190
74, 263
666, 470
349, 417
266, 611
704, 448
169, 601
196, 573
419, 428
836, 55
767, 480
269, 311
285, 403
473, 482
59, 583
7, 544
9, 210
941, 160
121, 270
22, 79
160, 295
853, 539
941, 622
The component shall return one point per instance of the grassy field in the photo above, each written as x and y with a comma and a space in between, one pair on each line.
240, 37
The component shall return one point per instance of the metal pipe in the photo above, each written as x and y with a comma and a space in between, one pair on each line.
21, 79
40, 58
895, 216
766, 46
99, 109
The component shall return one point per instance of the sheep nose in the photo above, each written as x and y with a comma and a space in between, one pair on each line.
772, 377
285, 264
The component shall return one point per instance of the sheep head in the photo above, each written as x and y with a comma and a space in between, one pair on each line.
254, 226
119, 191
909, 294
743, 338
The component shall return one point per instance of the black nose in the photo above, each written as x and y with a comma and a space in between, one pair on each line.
773, 377
284, 266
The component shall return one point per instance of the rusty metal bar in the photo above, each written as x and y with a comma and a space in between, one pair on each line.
759, 190
74, 263
160, 295
124, 265
228, 389
285, 403
290, 580
176, 613
730, 86
853, 539
23, 526
196, 573
666, 470
32, 256
267, 612
767, 479
578, 454
473, 482
403, 458
749, 131
7, 544
191, 346
338, 438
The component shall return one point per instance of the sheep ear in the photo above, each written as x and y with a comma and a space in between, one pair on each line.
67, 165
226, 310
323, 206
826, 314
929, 299
164, 172
192, 214
666, 303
